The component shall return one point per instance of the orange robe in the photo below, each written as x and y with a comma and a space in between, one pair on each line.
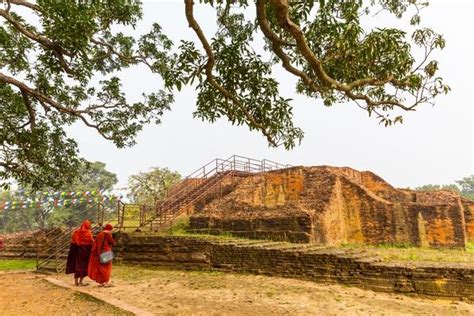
100, 272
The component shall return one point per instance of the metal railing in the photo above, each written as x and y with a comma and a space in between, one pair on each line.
200, 182
54, 256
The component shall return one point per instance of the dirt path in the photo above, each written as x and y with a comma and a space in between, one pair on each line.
29, 294
174, 292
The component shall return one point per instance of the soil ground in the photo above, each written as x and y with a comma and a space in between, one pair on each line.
174, 292
29, 294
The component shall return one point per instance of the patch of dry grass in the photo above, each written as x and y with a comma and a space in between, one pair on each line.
138, 273
390, 253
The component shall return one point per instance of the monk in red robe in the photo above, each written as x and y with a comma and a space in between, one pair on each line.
79, 253
101, 272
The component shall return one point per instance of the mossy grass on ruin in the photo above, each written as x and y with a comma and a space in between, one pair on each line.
405, 252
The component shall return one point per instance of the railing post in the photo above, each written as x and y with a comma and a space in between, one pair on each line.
140, 215
118, 212
123, 217
56, 255
220, 188
37, 252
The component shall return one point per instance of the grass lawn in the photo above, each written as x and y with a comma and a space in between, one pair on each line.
408, 253
17, 264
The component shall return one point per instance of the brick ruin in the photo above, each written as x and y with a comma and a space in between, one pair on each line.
302, 261
332, 206
26, 244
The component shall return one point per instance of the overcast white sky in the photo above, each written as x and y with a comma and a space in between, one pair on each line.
434, 145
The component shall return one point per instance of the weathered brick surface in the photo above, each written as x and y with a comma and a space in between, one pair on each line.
26, 244
469, 218
329, 205
308, 262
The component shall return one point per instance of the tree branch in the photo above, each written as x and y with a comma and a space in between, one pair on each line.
44, 99
26, 4
46, 42
277, 47
29, 107
282, 14
128, 59
57, 50
210, 78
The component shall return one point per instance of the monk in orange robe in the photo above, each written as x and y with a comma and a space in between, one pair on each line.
79, 252
101, 272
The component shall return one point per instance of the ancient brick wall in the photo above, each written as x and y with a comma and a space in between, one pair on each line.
438, 225
469, 218
307, 262
331, 206
247, 210
26, 244
297, 228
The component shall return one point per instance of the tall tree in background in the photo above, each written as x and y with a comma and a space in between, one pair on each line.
434, 187
150, 187
464, 187
467, 187
93, 176
52, 50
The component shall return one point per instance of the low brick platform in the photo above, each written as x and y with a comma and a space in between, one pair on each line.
302, 261
26, 244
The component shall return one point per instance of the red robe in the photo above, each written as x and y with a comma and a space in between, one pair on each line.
100, 272
79, 252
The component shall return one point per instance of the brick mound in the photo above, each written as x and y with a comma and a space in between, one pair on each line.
331, 205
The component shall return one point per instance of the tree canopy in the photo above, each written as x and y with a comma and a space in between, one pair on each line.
148, 188
465, 187
59, 62
93, 176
